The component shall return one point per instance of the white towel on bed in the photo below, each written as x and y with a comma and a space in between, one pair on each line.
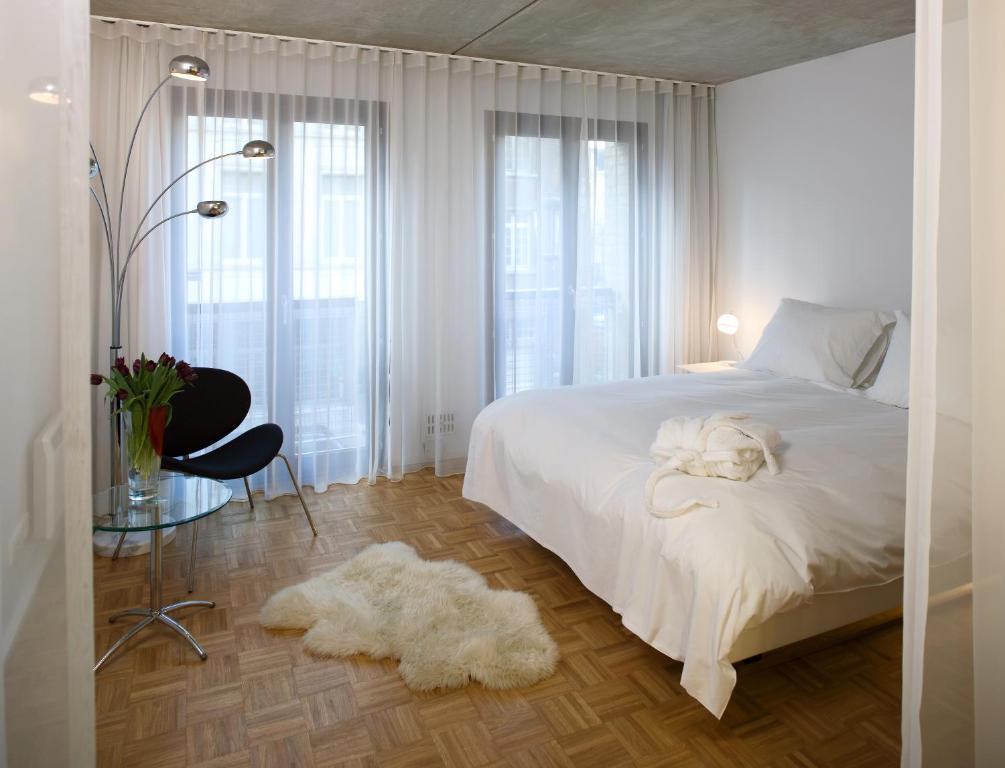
725, 445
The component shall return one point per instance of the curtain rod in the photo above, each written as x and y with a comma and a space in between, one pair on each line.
389, 49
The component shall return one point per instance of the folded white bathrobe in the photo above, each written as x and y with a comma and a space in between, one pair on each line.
725, 445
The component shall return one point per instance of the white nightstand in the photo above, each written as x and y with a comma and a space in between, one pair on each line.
719, 365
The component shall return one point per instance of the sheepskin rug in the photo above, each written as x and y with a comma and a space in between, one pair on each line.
439, 619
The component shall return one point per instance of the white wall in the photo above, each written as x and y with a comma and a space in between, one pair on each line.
815, 185
46, 603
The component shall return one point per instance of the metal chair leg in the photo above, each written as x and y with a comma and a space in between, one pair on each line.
190, 579
247, 487
299, 493
118, 547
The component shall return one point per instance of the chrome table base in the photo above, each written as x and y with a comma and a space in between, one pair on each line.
157, 612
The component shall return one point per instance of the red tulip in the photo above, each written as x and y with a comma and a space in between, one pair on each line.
155, 428
165, 359
96, 379
151, 366
120, 366
122, 394
136, 365
186, 372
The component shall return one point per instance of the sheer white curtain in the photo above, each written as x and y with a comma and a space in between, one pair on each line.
435, 232
954, 592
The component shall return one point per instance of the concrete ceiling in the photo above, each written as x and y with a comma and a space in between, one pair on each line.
710, 41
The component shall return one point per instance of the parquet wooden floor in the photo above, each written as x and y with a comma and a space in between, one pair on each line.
259, 700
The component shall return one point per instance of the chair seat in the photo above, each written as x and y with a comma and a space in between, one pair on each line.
246, 454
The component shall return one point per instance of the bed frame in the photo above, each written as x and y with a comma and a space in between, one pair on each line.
839, 609
822, 614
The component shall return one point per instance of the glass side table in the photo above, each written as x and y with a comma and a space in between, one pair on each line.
180, 499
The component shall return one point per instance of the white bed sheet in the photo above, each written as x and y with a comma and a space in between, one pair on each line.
569, 465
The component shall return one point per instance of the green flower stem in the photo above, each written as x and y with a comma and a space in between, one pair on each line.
139, 446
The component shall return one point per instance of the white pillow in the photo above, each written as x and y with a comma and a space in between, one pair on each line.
869, 369
823, 344
893, 383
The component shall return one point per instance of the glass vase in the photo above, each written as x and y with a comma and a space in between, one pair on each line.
143, 441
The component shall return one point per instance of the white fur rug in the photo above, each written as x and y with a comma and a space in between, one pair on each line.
440, 619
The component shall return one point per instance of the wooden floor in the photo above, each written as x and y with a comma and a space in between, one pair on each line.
260, 700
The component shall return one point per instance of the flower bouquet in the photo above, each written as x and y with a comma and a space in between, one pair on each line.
143, 397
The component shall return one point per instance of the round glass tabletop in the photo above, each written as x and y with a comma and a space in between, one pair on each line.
180, 499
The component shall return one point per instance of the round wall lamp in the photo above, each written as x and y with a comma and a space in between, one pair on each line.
728, 324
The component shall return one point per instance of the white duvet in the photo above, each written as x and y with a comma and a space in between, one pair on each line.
569, 467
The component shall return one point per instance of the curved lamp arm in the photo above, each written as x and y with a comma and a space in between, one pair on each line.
105, 228
132, 243
208, 209
129, 156
106, 216
104, 190
129, 256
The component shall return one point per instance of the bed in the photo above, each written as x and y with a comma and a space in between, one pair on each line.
783, 557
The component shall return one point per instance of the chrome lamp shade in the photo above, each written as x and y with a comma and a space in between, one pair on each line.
258, 149
187, 67
211, 209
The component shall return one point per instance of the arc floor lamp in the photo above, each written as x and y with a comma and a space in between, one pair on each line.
185, 67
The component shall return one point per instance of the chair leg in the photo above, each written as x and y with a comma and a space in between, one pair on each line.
247, 487
299, 493
190, 579
118, 547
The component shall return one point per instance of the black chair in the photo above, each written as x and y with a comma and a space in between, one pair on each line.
204, 414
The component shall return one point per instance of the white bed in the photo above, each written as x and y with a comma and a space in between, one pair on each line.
775, 562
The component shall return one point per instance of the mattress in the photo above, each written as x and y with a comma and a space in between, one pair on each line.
569, 466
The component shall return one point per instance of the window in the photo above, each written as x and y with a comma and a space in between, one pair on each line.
329, 201
565, 247
240, 273
276, 290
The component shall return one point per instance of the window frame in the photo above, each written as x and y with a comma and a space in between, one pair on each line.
569, 130
280, 114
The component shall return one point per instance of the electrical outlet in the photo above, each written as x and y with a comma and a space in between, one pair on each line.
447, 423
438, 424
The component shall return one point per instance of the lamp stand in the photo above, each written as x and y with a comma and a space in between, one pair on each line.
185, 67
